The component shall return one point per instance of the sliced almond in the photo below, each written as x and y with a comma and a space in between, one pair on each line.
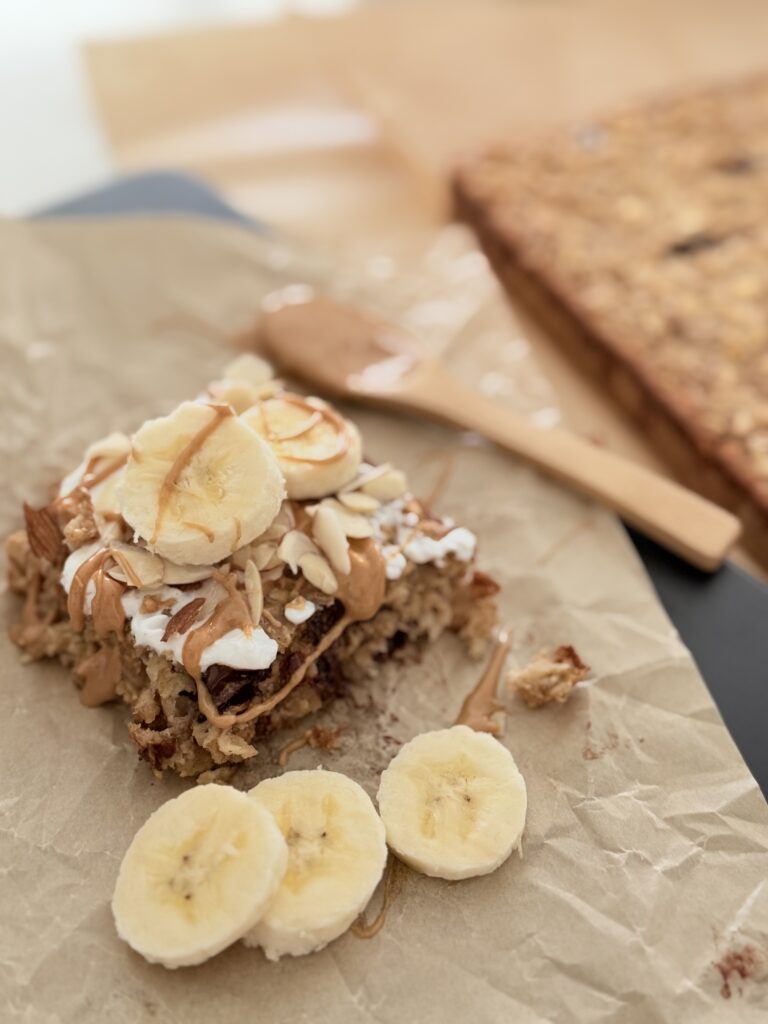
254, 591
242, 556
265, 556
352, 523
270, 575
139, 567
286, 515
318, 572
293, 545
365, 474
275, 532
331, 539
356, 501
387, 486
282, 523
175, 574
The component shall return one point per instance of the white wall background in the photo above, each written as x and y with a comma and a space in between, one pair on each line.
50, 144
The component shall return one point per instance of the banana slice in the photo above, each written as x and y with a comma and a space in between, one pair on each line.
198, 875
453, 803
336, 856
199, 484
318, 450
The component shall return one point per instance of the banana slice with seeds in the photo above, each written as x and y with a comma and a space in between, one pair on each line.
199, 484
336, 857
198, 875
453, 803
318, 450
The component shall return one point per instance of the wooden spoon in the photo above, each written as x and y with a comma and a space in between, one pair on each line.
342, 351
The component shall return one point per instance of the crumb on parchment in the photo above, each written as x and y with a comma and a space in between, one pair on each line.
551, 676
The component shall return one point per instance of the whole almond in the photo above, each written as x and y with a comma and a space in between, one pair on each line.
184, 617
44, 535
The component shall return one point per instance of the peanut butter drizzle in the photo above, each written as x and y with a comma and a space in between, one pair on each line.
316, 415
182, 460
205, 530
362, 590
481, 703
80, 581
107, 608
101, 673
368, 931
230, 613
91, 479
208, 708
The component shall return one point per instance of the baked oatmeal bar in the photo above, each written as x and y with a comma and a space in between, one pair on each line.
232, 567
642, 239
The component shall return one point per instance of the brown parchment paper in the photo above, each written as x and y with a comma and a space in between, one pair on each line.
645, 855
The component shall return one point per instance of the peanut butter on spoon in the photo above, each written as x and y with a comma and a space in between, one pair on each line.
347, 353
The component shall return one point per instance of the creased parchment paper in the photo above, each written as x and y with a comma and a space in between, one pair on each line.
645, 856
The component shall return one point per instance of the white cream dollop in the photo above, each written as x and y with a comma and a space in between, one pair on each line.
297, 614
459, 542
238, 649
415, 545
396, 561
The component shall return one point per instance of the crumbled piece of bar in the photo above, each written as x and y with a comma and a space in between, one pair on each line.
551, 676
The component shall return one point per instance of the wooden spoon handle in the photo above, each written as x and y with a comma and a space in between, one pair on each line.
680, 520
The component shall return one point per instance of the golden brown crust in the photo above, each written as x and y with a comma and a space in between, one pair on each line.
641, 239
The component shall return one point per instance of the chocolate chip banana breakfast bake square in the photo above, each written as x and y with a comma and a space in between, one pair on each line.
235, 565
641, 239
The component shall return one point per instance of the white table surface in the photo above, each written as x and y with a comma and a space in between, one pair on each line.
52, 145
